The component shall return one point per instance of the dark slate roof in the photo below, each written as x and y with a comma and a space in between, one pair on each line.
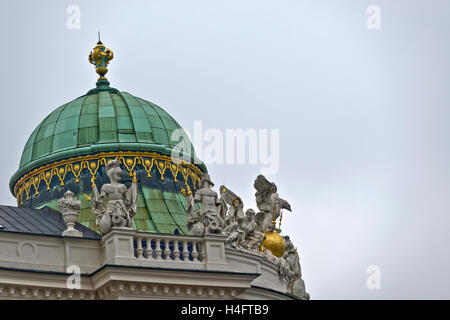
44, 221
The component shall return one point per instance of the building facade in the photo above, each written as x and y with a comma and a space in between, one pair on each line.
113, 203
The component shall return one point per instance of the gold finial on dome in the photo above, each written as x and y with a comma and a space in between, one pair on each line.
100, 57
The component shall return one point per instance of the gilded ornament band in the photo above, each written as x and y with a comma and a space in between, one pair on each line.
31, 181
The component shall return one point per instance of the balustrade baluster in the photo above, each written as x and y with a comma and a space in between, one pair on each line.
185, 251
166, 250
139, 249
194, 251
158, 249
149, 250
176, 250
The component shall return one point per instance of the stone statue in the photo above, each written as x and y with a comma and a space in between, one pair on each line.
235, 234
70, 209
121, 207
209, 218
235, 205
297, 285
253, 235
194, 222
222, 210
246, 231
209, 200
268, 202
242, 229
270, 256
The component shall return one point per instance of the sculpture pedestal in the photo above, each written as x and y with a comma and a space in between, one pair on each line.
215, 252
72, 233
118, 245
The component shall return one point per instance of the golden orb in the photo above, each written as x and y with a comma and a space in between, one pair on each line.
129, 161
274, 242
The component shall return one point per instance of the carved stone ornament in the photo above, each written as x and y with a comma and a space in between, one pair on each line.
121, 207
206, 220
254, 232
70, 209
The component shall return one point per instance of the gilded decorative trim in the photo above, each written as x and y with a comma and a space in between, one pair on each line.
129, 159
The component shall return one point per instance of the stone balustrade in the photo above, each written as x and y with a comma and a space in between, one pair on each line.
176, 248
165, 250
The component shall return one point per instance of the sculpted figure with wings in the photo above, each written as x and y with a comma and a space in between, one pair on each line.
268, 202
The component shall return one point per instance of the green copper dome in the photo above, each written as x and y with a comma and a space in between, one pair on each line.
108, 121
70, 148
105, 117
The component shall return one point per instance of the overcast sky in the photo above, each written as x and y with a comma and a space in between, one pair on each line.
363, 114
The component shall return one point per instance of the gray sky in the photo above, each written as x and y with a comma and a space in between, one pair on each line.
363, 114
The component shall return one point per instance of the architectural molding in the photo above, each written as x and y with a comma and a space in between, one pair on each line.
115, 267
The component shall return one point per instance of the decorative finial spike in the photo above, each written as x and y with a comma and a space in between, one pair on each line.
100, 57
